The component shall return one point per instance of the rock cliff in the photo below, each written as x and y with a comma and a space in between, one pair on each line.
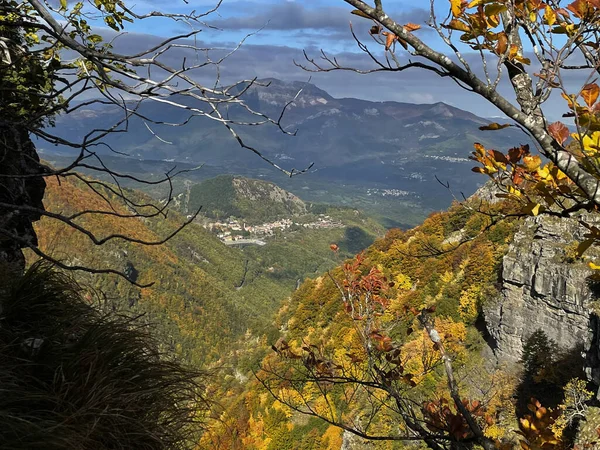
545, 286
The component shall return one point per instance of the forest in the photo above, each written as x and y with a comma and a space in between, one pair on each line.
127, 322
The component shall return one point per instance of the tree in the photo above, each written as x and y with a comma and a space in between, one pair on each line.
52, 61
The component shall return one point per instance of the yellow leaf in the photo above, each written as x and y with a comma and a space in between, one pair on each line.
457, 7
533, 16
495, 9
532, 163
533, 209
456, 24
549, 16
544, 173
515, 192
63, 4
593, 266
590, 142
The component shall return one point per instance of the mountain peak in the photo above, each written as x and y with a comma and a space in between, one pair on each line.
279, 93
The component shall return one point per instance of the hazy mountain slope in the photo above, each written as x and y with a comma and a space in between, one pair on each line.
350, 141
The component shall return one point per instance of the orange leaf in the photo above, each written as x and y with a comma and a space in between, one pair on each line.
389, 39
502, 44
410, 27
589, 93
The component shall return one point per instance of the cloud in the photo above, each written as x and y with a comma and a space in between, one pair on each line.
296, 16
277, 61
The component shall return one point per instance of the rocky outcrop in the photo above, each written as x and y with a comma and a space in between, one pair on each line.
21, 193
544, 286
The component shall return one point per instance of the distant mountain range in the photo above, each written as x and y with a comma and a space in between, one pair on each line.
387, 145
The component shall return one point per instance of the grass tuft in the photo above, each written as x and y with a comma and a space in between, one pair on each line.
73, 378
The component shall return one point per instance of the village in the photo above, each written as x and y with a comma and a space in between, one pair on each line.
232, 229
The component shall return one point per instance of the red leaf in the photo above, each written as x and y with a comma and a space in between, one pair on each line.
559, 132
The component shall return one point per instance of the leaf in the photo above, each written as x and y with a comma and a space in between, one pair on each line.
389, 39
584, 245
63, 4
495, 126
499, 157
358, 12
502, 44
457, 7
593, 266
559, 132
495, 9
549, 16
375, 29
532, 163
589, 93
458, 25
410, 27
532, 208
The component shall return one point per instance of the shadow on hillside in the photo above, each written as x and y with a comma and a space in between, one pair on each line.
355, 240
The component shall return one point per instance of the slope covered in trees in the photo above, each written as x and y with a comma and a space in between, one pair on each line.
203, 294
318, 378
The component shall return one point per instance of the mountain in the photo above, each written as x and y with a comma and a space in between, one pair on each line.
354, 144
244, 198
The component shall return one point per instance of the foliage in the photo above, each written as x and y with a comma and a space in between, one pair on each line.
353, 349
537, 355
73, 377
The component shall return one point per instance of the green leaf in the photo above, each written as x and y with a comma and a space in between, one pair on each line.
358, 12
63, 4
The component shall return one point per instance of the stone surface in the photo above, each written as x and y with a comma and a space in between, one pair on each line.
543, 287
19, 187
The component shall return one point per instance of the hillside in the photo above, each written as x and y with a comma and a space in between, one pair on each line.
355, 145
255, 201
205, 294
321, 339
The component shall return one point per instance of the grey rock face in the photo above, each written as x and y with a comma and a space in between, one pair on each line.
542, 288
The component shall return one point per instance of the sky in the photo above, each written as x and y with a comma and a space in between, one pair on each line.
281, 30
